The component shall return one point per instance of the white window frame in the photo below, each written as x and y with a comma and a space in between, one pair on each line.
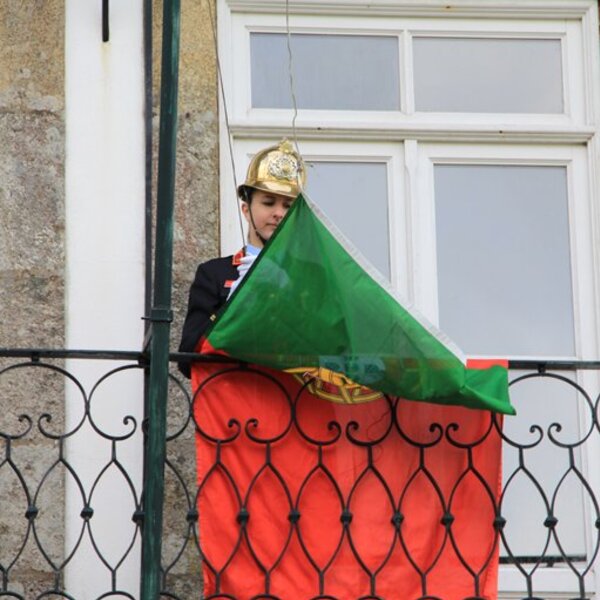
417, 140
573, 123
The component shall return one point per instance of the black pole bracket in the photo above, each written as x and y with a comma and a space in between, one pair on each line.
159, 315
105, 22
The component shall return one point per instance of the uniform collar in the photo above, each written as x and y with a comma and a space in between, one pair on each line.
246, 250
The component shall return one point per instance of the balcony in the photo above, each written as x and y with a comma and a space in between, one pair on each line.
72, 502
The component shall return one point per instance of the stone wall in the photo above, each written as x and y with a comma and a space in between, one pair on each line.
196, 234
32, 136
31, 172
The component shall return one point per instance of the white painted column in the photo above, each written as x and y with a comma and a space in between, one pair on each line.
105, 196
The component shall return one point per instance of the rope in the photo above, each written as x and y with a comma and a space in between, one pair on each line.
226, 115
292, 88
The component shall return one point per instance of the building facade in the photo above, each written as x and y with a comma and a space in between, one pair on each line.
455, 145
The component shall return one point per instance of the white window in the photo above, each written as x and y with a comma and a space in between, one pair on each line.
470, 139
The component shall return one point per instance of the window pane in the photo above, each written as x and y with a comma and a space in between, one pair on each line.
355, 197
488, 75
503, 259
336, 72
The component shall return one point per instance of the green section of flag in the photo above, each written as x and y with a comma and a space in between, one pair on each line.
307, 303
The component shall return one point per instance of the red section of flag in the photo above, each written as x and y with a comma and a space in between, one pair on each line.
296, 507
486, 363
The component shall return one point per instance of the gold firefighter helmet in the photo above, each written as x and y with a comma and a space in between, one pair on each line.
278, 169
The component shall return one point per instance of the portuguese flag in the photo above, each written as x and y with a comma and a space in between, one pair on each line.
300, 498
369, 496
308, 302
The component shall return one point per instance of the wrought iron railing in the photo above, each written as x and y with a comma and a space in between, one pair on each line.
547, 518
52, 505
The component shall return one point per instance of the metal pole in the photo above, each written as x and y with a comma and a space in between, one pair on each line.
160, 315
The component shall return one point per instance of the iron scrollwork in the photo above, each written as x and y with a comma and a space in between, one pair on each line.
545, 477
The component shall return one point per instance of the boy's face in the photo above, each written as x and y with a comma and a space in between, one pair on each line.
264, 213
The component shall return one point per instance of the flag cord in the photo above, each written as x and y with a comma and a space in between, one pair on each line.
292, 87
226, 116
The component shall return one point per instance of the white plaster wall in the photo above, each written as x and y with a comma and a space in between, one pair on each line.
105, 275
